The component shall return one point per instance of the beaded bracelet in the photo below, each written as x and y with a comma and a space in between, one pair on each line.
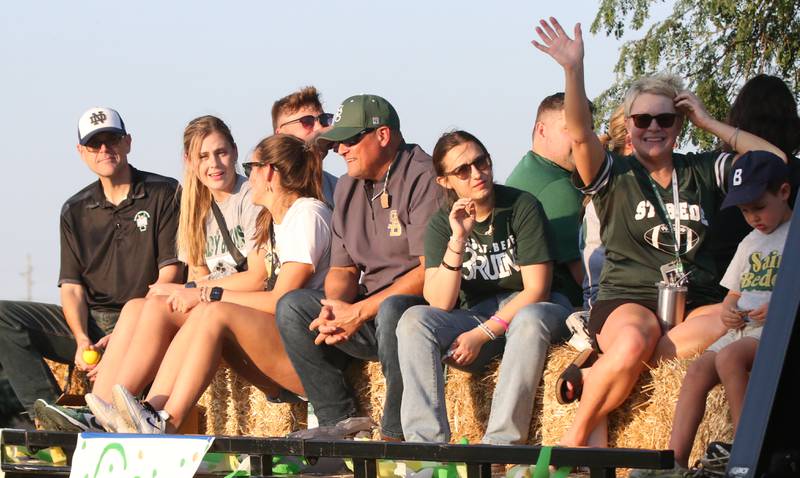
500, 321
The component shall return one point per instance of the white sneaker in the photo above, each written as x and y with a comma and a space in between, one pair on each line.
140, 416
577, 323
106, 415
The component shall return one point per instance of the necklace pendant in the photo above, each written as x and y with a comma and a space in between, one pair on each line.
385, 200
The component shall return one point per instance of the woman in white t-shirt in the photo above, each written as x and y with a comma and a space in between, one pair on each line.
293, 236
146, 326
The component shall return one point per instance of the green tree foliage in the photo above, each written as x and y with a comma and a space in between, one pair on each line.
714, 45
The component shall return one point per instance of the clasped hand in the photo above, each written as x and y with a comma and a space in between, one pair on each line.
466, 347
337, 322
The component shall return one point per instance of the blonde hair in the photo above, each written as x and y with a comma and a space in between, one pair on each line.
195, 196
663, 84
616, 137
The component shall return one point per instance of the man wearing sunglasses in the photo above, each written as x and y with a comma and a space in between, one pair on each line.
545, 171
300, 115
382, 209
117, 238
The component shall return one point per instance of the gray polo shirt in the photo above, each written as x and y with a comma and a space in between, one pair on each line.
386, 243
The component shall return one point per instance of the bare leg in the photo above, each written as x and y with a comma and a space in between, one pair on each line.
154, 331
700, 379
117, 348
734, 363
599, 436
700, 329
628, 338
174, 358
256, 352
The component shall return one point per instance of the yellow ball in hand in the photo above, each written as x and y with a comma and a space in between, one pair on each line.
91, 357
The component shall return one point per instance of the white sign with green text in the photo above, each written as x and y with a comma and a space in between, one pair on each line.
101, 455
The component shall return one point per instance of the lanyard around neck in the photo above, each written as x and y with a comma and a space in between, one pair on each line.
673, 229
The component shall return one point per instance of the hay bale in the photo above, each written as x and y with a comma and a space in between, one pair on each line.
75, 384
643, 421
235, 407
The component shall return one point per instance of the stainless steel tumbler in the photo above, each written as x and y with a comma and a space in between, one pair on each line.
671, 304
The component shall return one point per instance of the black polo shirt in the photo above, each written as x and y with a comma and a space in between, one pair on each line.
115, 252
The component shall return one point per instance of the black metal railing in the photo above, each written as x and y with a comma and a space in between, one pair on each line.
601, 462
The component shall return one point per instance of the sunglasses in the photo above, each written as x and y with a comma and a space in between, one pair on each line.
664, 120
95, 143
248, 167
482, 163
353, 140
307, 121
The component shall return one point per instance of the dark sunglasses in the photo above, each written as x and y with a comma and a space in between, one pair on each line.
482, 163
664, 120
248, 167
325, 120
351, 141
95, 143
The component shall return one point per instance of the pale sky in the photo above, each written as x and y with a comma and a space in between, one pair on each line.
442, 64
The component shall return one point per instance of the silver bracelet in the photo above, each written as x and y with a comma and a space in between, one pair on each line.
486, 330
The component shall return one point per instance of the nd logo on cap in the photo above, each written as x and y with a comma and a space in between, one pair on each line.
97, 120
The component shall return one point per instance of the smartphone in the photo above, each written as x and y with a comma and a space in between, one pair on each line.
448, 355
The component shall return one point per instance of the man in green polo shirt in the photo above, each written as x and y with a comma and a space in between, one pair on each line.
545, 172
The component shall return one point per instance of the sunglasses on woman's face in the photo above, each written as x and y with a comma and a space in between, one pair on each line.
664, 120
248, 167
482, 163
307, 121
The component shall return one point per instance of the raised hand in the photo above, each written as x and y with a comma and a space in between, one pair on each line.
555, 42
462, 218
693, 108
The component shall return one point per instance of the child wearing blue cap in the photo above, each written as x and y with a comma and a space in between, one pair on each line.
759, 186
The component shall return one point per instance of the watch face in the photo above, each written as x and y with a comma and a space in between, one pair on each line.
216, 293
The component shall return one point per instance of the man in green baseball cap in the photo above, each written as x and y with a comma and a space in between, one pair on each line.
382, 207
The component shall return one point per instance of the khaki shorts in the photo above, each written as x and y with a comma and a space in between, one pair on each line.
735, 334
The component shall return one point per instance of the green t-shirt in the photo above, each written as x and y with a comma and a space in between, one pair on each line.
638, 241
562, 202
492, 261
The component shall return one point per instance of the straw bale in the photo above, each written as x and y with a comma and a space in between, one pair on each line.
645, 419
235, 407
78, 383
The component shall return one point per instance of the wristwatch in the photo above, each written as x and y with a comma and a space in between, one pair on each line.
215, 294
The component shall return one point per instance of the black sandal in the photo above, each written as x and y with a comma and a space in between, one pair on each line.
572, 375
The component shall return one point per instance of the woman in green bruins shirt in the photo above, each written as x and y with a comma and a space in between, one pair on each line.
487, 280
634, 198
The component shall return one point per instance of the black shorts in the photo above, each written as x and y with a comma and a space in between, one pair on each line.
603, 308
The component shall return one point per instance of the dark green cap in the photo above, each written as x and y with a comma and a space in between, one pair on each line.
358, 113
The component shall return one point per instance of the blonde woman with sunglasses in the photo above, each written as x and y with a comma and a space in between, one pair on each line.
655, 207
487, 279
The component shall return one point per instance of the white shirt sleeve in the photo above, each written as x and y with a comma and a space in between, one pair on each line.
305, 235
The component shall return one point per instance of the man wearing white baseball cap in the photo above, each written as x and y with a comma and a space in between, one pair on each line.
117, 237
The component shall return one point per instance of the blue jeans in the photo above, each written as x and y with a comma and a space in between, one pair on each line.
424, 335
321, 367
